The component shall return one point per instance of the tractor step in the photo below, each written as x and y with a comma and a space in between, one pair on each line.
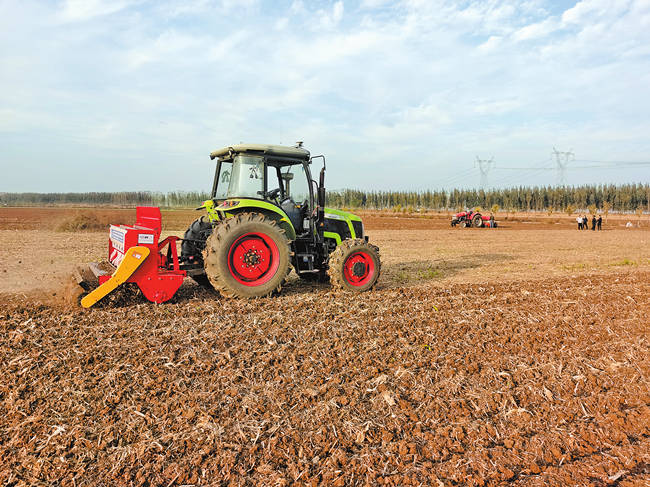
305, 263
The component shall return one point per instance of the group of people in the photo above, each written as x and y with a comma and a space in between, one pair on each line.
583, 222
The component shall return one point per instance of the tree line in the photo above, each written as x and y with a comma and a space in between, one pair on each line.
625, 197
172, 199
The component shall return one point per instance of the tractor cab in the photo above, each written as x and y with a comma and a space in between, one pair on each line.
277, 175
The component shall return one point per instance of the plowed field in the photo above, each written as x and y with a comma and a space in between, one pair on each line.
484, 357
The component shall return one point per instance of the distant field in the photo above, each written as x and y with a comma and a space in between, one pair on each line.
517, 355
49, 218
414, 248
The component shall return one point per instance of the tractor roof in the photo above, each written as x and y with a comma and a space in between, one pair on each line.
272, 150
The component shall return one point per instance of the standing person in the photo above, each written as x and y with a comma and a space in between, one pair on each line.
579, 220
585, 223
599, 222
593, 223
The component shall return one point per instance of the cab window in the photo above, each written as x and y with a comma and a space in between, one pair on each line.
246, 178
296, 184
223, 180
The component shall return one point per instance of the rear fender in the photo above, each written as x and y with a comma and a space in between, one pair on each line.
230, 208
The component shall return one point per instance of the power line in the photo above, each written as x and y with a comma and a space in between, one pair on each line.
514, 178
459, 177
608, 167
530, 172
614, 162
526, 168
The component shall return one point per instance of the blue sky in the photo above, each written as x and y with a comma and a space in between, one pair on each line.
100, 95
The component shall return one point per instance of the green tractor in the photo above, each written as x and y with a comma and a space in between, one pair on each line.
266, 214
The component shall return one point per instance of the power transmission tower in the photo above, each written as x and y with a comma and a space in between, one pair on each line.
562, 160
485, 166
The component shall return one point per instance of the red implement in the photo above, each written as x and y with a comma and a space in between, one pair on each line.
157, 273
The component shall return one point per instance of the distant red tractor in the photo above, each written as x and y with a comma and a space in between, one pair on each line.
473, 218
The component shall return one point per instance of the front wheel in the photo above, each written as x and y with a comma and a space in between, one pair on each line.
247, 256
354, 265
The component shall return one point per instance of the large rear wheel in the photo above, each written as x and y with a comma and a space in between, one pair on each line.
247, 256
354, 265
477, 220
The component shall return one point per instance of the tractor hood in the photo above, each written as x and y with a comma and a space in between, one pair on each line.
340, 225
340, 215
272, 150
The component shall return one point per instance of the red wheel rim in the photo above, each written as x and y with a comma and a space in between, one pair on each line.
253, 259
359, 269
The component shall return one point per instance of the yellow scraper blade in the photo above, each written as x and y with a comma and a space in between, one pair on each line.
133, 258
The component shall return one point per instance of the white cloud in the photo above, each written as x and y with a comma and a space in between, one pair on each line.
82, 10
491, 44
536, 30
297, 7
165, 47
337, 12
239, 5
185, 7
330, 19
496, 107
373, 4
428, 116
585, 9
577, 13
281, 24
330, 51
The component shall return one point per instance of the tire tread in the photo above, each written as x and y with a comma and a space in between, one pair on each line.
338, 257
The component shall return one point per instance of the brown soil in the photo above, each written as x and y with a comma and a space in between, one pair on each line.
484, 357
539, 383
